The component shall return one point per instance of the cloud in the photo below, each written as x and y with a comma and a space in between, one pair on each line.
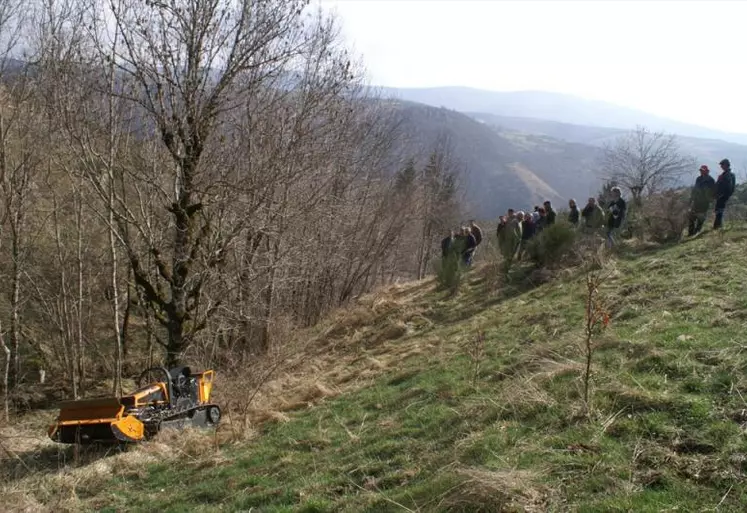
680, 60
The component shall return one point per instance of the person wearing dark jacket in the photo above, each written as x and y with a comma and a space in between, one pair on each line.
549, 214
501, 225
476, 231
573, 214
528, 230
469, 246
541, 222
528, 227
725, 185
700, 200
593, 215
447, 244
616, 214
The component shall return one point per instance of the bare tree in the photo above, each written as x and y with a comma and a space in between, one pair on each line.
14, 176
437, 202
645, 162
220, 159
6, 372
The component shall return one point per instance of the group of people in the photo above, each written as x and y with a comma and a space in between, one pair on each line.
531, 223
462, 244
705, 190
516, 228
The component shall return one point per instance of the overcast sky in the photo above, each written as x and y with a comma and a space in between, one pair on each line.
684, 60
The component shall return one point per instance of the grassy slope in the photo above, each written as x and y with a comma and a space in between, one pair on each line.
666, 430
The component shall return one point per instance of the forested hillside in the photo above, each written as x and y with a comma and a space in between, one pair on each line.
188, 182
501, 168
554, 107
708, 151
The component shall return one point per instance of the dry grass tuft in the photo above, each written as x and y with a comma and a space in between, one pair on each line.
525, 391
391, 330
317, 391
186, 443
497, 491
262, 416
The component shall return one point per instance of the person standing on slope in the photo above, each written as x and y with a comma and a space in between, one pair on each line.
616, 215
447, 244
725, 185
469, 246
541, 222
574, 214
509, 236
501, 225
550, 214
593, 215
476, 231
700, 200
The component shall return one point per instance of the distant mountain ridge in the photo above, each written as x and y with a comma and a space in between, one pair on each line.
502, 168
549, 106
706, 151
518, 162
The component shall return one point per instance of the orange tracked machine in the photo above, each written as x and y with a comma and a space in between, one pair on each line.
177, 398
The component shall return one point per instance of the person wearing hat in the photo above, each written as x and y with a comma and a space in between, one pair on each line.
700, 200
725, 184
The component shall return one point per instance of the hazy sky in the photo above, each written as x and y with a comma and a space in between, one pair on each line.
684, 60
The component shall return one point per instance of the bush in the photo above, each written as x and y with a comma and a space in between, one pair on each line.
634, 226
449, 273
553, 245
665, 216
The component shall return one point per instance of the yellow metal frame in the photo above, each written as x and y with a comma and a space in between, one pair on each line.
205, 380
112, 411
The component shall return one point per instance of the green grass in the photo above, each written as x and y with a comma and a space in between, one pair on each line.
665, 431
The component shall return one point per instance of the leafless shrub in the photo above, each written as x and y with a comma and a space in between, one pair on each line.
476, 352
664, 216
596, 319
645, 162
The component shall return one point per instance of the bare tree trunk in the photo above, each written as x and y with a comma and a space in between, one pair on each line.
424, 249
16, 294
16, 271
269, 295
6, 349
63, 310
126, 322
115, 287
112, 235
79, 341
6, 371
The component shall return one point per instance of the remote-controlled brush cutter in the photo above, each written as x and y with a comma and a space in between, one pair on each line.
176, 399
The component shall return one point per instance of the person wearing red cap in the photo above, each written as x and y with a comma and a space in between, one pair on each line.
700, 200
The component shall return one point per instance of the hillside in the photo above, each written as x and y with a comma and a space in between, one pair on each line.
392, 406
553, 107
501, 169
521, 161
708, 151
